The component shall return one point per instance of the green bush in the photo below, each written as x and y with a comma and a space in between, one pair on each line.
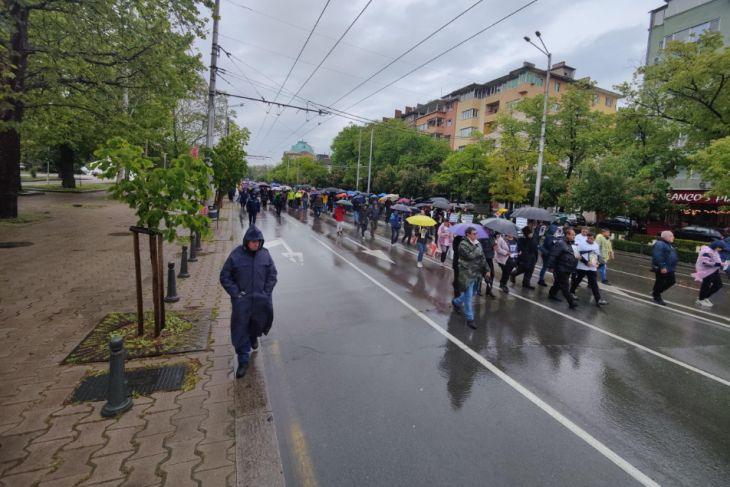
679, 244
684, 254
33, 173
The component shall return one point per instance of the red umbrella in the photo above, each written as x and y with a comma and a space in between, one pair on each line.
404, 201
341, 195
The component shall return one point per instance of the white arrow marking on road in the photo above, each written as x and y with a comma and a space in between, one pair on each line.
375, 253
296, 257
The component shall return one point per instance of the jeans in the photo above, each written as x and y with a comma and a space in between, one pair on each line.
602, 271
421, 250
394, 234
241, 342
465, 299
373, 227
251, 218
317, 211
662, 283
710, 285
356, 217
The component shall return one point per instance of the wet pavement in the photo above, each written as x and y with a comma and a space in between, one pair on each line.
373, 380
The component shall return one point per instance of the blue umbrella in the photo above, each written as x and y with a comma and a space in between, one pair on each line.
351, 193
381, 195
460, 229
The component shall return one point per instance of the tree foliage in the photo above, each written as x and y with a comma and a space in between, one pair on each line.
465, 174
714, 162
509, 163
298, 170
159, 195
228, 158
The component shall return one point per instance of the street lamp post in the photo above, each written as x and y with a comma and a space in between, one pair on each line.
541, 150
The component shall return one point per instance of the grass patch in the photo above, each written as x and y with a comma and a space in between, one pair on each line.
78, 189
24, 218
183, 332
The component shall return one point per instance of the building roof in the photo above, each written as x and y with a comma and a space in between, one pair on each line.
302, 146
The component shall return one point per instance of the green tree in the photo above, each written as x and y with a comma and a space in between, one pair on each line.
714, 163
228, 159
465, 174
163, 198
508, 165
76, 72
689, 86
299, 170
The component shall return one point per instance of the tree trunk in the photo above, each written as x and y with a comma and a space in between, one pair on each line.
66, 166
12, 114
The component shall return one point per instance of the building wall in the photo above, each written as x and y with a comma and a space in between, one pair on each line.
680, 15
461, 126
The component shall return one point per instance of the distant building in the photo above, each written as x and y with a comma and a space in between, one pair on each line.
300, 149
686, 20
325, 160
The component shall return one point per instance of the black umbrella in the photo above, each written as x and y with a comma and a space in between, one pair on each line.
400, 207
532, 213
421, 205
442, 205
501, 225
333, 190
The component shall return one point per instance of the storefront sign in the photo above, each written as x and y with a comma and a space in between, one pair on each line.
697, 198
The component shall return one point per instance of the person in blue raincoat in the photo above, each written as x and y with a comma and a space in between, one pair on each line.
249, 277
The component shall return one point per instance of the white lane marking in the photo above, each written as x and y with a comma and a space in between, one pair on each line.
375, 253
651, 279
627, 341
625, 292
552, 412
296, 257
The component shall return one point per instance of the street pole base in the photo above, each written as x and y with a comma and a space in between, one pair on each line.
171, 299
109, 411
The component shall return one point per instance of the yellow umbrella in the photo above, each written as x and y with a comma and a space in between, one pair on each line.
421, 220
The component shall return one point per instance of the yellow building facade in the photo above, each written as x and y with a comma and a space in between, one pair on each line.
478, 105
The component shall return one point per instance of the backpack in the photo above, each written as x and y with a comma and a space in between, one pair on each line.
395, 220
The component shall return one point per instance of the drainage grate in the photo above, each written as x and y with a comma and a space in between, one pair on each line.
142, 381
14, 245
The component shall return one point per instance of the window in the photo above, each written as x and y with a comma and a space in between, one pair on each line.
466, 132
595, 100
492, 108
423, 127
557, 86
471, 113
609, 101
448, 123
466, 96
693, 33
512, 105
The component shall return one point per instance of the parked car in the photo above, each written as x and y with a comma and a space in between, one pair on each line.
573, 219
619, 223
694, 232
91, 172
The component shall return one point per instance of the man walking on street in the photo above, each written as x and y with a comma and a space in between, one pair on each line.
373, 215
249, 277
563, 262
252, 208
472, 267
663, 262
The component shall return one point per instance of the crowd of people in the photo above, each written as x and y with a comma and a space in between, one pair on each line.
572, 256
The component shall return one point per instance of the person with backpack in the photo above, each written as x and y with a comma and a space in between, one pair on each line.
364, 219
374, 216
252, 208
664, 261
407, 232
395, 221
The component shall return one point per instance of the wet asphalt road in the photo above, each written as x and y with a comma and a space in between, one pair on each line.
373, 380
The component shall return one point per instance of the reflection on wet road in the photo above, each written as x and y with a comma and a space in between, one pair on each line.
373, 380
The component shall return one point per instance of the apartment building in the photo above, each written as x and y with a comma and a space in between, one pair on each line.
478, 105
686, 20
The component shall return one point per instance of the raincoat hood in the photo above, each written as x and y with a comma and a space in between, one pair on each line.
253, 233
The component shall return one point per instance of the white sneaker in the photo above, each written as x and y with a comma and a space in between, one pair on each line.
707, 302
419, 265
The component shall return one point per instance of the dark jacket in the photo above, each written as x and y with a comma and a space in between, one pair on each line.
487, 246
664, 256
562, 257
249, 279
529, 249
471, 263
253, 205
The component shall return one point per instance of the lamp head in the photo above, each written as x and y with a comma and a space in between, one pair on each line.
527, 39
537, 33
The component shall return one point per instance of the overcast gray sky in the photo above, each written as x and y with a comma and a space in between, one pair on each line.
603, 40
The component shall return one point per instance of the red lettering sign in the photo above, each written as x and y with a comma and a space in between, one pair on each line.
697, 198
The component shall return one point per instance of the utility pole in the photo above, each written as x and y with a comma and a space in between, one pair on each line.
213, 69
370, 159
541, 153
357, 178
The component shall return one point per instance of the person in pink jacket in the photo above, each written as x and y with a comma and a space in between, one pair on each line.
445, 240
708, 267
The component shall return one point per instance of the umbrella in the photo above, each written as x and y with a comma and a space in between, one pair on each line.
358, 199
466, 206
405, 201
285, 188
421, 205
381, 195
442, 205
532, 213
314, 193
501, 225
341, 195
460, 229
391, 197
264, 185
344, 203
437, 198
400, 207
333, 190
421, 220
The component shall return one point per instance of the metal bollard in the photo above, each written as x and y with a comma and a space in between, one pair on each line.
184, 263
193, 257
172, 296
118, 400
198, 243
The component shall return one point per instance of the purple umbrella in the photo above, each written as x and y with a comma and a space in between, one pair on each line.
460, 229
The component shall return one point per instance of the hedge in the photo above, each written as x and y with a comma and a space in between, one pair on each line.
640, 248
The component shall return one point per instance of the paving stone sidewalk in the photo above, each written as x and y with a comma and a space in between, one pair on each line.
51, 294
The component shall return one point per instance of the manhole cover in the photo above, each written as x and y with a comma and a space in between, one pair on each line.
13, 245
120, 234
142, 381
